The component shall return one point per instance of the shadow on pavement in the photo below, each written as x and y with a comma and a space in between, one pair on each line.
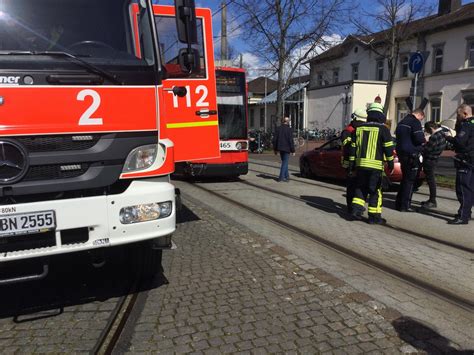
327, 205
186, 215
424, 338
267, 177
389, 202
73, 281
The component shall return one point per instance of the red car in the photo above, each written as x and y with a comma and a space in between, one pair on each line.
325, 161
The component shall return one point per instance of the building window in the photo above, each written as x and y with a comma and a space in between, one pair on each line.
262, 117
470, 53
252, 118
355, 71
438, 60
335, 76
402, 109
380, 65
435, 103
320, 79
468, 98
404, 67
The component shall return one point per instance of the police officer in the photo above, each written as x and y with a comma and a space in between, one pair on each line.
464, 161
371, 143
410, 139
359, 116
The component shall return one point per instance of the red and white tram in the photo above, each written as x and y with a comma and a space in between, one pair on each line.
233, 126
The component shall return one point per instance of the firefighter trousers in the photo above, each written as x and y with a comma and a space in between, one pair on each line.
351, 182
369, 185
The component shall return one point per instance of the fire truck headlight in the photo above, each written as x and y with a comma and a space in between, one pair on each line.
140, 158
145, 212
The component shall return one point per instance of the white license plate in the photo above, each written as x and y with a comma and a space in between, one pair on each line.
27, 223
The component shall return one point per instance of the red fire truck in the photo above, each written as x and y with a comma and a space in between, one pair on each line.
98, 99
232, 108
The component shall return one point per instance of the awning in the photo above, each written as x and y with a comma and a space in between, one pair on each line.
271, 99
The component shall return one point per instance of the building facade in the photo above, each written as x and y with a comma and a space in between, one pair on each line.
350, 75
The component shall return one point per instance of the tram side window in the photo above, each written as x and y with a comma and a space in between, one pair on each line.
170, 47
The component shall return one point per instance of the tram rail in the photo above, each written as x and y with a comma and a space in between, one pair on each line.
314, 183
459, 301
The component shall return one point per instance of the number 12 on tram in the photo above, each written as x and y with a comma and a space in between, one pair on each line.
233, 126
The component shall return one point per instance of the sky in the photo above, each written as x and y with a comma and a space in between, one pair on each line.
239, 45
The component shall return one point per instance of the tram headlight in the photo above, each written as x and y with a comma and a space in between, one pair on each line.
140, 158
241, 145
145, 212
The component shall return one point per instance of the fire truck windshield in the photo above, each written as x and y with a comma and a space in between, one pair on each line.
231, 99
100, 32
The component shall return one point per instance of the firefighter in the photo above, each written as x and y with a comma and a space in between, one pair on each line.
375, 110
359, 116
371, 145
464, 161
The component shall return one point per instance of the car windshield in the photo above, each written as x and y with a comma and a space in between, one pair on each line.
98, 31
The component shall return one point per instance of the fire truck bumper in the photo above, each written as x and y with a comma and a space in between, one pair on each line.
214, 170
95, 222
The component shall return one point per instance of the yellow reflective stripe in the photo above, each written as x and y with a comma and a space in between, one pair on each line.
388, 144
379, 201
373, 138
389, 158
369, 163
359, 142
347, 140
372, 210
358, 201
352, 158
192, 124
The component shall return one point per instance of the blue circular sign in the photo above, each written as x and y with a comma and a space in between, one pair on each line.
416, 62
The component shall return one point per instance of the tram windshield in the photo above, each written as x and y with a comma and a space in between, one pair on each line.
231, 100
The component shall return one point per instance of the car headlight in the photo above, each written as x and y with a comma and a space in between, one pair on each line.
140, 158
145, 212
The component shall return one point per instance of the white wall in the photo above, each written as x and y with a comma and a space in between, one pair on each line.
325, 108
454, 40
450, 87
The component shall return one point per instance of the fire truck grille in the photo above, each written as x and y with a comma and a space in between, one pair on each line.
52, 172
26, 242
59, 143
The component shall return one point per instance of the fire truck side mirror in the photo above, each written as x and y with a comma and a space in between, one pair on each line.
186, 21
180, 91
189, 60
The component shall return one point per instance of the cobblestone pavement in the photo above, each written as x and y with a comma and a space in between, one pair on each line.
451, 321
231, 290
65, 313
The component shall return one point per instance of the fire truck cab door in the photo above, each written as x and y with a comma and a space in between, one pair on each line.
189, 120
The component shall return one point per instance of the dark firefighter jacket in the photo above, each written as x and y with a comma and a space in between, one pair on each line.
346, 139
371, 144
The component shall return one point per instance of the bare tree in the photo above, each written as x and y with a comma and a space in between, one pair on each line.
384, 31
276, 28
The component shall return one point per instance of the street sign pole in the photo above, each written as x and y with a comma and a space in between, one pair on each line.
414, 90
415, 65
